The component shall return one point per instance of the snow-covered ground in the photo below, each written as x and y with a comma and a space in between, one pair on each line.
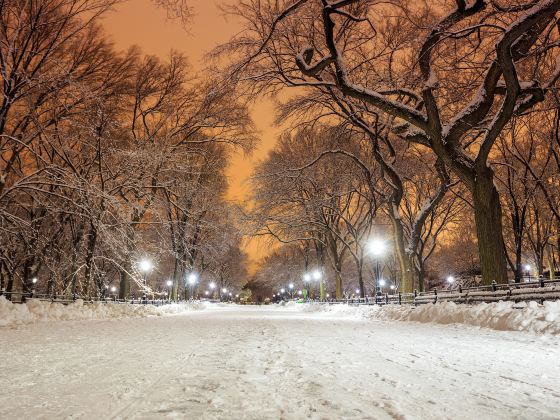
35, 310
275, 362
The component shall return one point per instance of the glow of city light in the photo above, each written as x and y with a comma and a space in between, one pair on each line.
34, 280
450, 279
357, 291
113, 289
224, 290
291, 286
382, 282
282, 290
169, 283
206, 292
307, 277
392, 287
316, 275
527, 267
212, 285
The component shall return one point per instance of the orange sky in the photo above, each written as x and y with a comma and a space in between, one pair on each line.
139, 22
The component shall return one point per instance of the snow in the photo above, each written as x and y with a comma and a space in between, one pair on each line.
504, 316
275, 362
35, 310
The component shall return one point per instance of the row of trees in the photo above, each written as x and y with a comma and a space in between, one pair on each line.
427, 117
110, 158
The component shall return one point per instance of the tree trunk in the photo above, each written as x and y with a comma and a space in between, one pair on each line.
338, 284
175, 288
405, 265
488, 219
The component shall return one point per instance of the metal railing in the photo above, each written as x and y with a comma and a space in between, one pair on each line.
539, 290
22, 297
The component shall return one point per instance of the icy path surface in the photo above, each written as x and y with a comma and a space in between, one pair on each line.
262, 362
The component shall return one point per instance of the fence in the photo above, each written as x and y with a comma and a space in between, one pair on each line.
539, 290
19, 297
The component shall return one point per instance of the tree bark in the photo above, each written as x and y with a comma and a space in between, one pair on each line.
405, 265
488, 220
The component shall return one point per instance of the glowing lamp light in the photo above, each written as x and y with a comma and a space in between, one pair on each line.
224, 290
282, 290
376, 247
113, 289
169, 283
316, 275
34, 280
328, 295
206, 292
192, 279
145, 265
299, 292
236, 296
450, 279
392, 287
291, 286
357, 291
382, 282
212, 285
527, 267
306, 277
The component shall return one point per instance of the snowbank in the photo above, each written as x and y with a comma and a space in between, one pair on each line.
504, 316
39, 311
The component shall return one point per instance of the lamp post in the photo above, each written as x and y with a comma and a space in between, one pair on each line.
377, 248
224, 291
169, 284
319, 277
291, 287
145, 266
382, 284
191, 280
527, 268
212, 286
306, 281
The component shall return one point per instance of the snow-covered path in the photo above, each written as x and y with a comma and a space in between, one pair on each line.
262, 362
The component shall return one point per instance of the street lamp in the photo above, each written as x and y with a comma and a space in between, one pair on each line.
527, 268
34, 280
145, 265
191, 280
113, 289
291, 287
450, 279
169, 284
306, 282
282, 290
377, 248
